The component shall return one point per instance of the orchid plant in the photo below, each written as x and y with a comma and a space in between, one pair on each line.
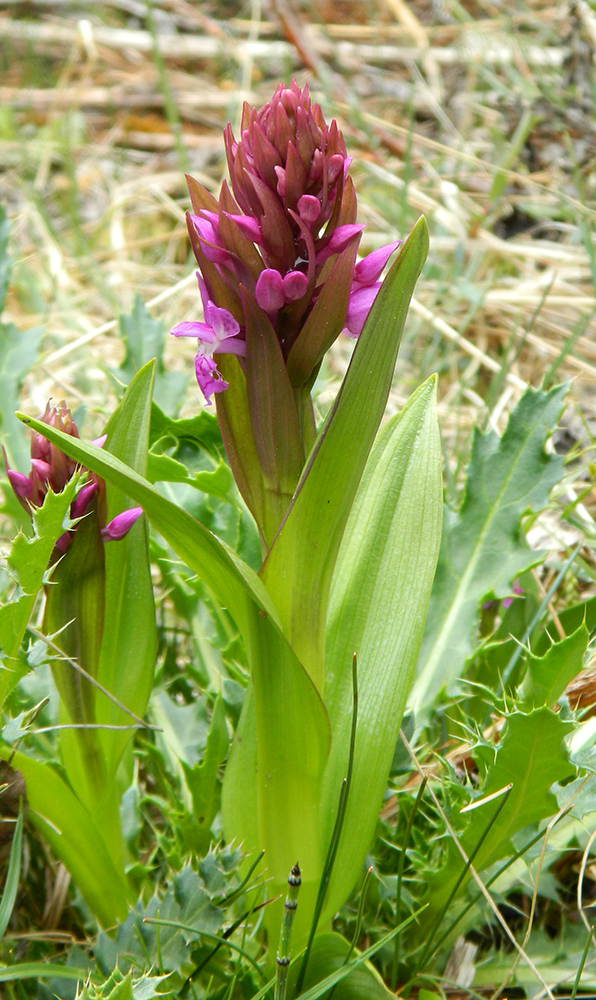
349, 515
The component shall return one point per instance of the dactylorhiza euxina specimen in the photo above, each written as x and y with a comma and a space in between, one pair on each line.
349, 516
279, 282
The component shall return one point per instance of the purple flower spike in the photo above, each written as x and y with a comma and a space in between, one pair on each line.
120, 525
269, 291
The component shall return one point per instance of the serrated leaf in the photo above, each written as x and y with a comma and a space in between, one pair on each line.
482, 547
532, 756
202, 779
547, 676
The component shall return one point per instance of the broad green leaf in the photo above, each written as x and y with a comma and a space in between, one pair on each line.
309, 538
483, 548
531, 757
377, 609
291, 720
547, 676
73, 836
128, 648
329, 954
28, 562
13, 874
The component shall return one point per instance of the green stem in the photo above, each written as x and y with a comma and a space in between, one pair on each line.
283, 954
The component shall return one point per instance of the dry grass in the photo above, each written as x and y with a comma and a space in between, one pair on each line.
480, 115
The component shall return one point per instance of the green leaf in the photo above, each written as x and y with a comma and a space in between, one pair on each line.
40, 970
377, 609
127, 659
310, 536
483, 548
28, 562
328, 955
531, 757
72, 834
202, 429
547, 676
202, 778
11, 884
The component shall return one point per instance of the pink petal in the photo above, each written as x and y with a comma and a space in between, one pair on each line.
370, 268
249, 227
20, 484
42, 468
100, 441
338, 241
63, 542
294, 285
81, 501
359, 306
200, 331
120, 525
269, 290
282, 182
221, 322
309, 208
208, 377
231, 345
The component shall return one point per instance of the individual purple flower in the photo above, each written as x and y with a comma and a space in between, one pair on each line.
51, 469
217, 334
120, 525
365, 287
